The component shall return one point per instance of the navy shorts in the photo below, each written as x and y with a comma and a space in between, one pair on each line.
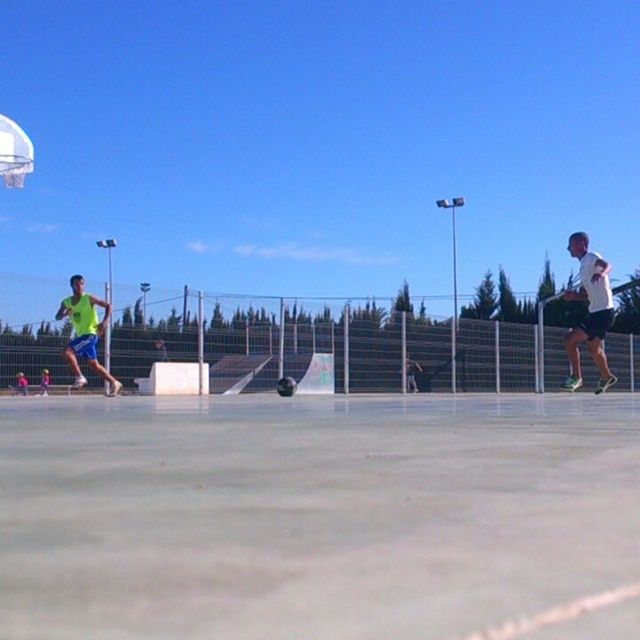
85, 346
598, 323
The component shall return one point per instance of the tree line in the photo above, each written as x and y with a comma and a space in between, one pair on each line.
491, 301
498, 302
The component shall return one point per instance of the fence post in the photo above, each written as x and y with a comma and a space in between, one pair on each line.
184, 306
333, 336
107, 334
347, 319
497, 347
541, 346
281, 345
313, 336
200, 343
632, 366
246, 336
454, 331
536, 355
540, 369
403, 351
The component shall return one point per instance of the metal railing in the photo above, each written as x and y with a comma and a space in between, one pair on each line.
371, 345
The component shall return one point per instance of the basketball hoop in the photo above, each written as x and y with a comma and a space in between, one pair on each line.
16, 154
14, 170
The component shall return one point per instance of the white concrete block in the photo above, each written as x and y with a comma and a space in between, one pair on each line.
174, 379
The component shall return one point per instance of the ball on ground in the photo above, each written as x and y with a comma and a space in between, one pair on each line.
286, 387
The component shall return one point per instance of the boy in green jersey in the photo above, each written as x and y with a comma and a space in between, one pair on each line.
80, 308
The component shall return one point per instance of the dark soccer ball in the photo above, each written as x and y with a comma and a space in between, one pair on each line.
286, 387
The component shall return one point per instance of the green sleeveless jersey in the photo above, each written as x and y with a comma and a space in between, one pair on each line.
84, 315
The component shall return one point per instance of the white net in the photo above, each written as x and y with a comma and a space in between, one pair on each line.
16, 154
15, 179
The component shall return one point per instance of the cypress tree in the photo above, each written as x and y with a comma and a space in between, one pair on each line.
508, 308
485, 301
403, 299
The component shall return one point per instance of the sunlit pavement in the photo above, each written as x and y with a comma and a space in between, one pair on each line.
258, 517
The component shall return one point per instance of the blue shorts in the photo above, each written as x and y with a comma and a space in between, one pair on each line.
85, 346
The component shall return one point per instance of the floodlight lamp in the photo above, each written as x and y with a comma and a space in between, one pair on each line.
458, 202
443, 204
107, 244
145, 286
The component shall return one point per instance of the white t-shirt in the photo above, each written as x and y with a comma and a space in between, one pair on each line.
600, 296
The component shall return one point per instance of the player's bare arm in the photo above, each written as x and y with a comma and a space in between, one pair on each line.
576, 296
604, 267
107, 311
63, 311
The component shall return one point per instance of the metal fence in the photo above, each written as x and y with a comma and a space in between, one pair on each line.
370, 341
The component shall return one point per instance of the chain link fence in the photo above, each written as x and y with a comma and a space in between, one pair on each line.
370, 341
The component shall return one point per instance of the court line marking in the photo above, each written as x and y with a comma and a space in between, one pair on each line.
557, 615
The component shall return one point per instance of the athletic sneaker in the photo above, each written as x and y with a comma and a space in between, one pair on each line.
115, 389
572, 383
603, 385
80, 382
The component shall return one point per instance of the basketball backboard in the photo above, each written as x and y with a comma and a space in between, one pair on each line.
16, 153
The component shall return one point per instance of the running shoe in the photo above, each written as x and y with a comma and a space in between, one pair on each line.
80, 382
572, 383
116, 389
603, 385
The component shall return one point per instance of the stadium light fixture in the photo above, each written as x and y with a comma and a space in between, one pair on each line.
107, 244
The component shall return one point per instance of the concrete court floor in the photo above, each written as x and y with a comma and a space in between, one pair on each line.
340, 518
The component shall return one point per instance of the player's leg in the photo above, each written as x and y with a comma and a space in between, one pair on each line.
70, 356
599, 357
607, 379
599, 323
571, 342
116, 385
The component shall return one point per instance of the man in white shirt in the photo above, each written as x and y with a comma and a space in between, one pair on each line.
594, 278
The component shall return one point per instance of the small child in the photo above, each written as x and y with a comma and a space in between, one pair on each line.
45, 381
23, 384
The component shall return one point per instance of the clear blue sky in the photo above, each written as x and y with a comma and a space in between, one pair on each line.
297, 148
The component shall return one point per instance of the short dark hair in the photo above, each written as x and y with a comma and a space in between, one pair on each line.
72, 279
579, 235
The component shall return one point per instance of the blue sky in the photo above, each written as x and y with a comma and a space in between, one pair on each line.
298, 148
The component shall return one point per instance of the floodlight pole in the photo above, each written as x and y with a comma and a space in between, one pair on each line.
200, 343
145, 287
110, 278
281, 342
455, 269
445, 204
347, 318
107, 338
108, 244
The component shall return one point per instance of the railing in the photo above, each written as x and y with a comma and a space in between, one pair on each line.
371, 344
